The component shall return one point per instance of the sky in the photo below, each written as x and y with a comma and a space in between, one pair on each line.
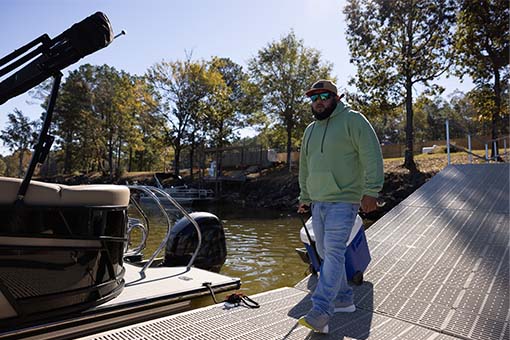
168, 30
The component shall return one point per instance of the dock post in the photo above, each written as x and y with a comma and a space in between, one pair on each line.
470, 155
448, 140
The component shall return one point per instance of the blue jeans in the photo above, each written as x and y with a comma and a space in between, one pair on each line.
332, 224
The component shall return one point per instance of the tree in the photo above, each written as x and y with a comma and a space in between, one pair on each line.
131, 103
106, 86
396, 44
106, 120
74, 100
482, 46
283, 71
180, 87
145, 144
18, 135
230, 105
431, 114
470, 114
386, 118
12, 164
3, 166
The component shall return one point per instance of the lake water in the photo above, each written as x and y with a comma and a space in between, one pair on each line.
260, 245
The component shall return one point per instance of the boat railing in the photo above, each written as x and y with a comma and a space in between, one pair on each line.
153, 193
186, 192
192, 193
134, 223
493, 144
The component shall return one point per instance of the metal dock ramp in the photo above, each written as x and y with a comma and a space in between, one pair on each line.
440, 270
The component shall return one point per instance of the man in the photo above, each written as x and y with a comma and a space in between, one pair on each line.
340, 167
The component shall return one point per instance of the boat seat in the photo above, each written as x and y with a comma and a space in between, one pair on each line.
50, 194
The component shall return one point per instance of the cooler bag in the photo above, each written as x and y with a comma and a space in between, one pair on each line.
357, 255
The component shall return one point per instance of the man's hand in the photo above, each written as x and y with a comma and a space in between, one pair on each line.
368, 204
303, 208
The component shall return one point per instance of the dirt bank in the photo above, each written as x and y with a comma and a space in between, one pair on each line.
277, 188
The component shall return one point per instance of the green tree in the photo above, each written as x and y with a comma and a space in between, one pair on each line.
12, 164
130, 106
465, 116
482, 46
231, 104
283, 71
397, 44
73, 102
478, 106
3, 166
107, 120
179, 87
104, 120
431, 114
146, 143
18, 135
386, 118
105, 110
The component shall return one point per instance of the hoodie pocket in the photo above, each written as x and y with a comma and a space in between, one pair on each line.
322, 186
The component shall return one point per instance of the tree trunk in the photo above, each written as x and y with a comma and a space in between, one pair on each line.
219, 157
289, 142
110, 158
140, 161
219, 165
408, 155
21, 153
48, 163
119, 149
67, 157
130, 159
495, 115
177, 156
191, 154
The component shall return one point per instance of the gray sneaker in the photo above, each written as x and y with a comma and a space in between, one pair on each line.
302, 321
315, 321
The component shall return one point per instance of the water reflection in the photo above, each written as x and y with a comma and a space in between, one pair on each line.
261, 252
260, 245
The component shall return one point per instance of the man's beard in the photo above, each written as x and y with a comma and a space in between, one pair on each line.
324, 114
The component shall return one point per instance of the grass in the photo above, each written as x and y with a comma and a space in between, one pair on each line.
431, 162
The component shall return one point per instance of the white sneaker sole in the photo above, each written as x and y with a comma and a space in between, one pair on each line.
348, 309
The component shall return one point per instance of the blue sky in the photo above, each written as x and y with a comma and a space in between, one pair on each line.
158, 29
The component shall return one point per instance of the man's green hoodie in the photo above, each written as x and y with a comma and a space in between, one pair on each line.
340, 159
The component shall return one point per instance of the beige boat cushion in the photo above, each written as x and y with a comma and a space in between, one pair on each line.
50, 194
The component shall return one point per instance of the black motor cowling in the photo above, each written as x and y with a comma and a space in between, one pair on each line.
183, 242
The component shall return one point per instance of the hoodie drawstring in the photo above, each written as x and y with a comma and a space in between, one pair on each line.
323, 136
309, 136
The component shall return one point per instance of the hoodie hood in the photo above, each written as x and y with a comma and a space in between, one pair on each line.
340, 107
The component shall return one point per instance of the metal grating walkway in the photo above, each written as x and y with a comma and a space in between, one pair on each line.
441, 257
275, 319
440, 270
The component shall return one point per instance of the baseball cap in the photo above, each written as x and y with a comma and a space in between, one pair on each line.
321, 86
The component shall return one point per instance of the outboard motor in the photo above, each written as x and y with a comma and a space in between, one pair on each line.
183, 242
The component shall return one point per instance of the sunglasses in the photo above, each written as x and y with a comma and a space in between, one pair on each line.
323, 96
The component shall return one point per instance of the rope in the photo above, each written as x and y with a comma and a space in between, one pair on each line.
208, 285
237, 299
